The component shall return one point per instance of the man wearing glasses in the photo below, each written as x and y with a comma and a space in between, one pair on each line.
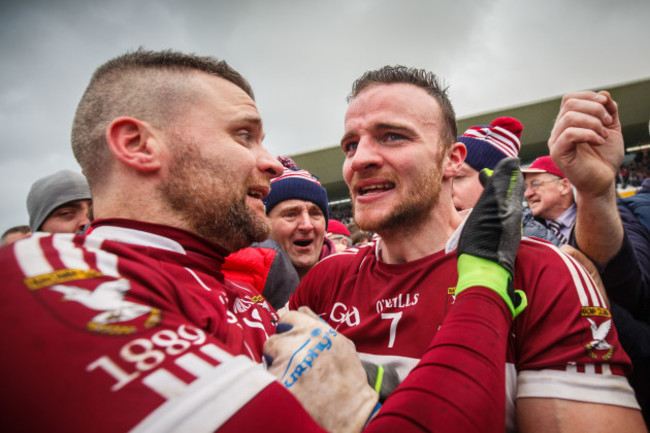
550, 197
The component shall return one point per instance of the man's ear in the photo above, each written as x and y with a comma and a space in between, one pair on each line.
566, 186
133, 143
453, 161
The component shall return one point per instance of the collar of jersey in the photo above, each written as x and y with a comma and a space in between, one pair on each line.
138, 237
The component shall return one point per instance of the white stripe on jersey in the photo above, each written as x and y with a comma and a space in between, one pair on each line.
590, 295
138, 237
196, 277
71, 256
30, 257
604, 388
195, 365
32, 260
106, 262
208, 402
594, 292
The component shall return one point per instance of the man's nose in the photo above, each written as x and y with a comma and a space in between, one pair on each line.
366, 155
304, 221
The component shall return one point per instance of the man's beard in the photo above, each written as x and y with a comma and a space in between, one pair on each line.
210, 205
414, 209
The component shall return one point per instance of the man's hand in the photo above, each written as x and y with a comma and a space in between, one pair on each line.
587, 145
490, 239
586, 142
322, 370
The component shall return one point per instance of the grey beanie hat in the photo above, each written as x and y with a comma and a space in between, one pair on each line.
52, 191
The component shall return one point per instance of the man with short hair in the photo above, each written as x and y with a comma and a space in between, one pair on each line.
59, 203
565, 369
132, 326
14, 234
550, 197
298, 209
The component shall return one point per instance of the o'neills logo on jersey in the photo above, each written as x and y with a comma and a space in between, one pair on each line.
400, 301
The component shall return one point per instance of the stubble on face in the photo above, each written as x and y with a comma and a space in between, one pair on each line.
413, 210
204, 195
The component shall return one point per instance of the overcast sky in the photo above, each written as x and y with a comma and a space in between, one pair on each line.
301, 58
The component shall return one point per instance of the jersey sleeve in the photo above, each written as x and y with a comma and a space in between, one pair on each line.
459, 384
566, 345
302, 295
309, 293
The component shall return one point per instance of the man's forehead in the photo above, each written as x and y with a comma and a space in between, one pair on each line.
225, 91
405, 99
382, 92
296, 204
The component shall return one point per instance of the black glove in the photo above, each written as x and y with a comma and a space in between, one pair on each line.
490, 239
382, 378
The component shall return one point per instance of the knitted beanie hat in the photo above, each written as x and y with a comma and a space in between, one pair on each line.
487, 145
50, 192
295, 183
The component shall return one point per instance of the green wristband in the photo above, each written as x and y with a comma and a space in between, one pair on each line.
477, 271
380, 378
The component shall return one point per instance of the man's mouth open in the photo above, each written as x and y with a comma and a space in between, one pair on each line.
375, 188
303, 243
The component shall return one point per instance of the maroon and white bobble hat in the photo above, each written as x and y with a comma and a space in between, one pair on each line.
487, 145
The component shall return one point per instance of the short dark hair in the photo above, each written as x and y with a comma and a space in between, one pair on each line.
418, 77
142, 84
12, 230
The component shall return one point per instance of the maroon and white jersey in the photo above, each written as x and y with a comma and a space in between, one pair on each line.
563, 345
132, 327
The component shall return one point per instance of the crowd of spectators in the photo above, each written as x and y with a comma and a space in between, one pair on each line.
342, 211
633, 173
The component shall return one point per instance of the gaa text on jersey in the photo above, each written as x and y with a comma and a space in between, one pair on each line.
342, 314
